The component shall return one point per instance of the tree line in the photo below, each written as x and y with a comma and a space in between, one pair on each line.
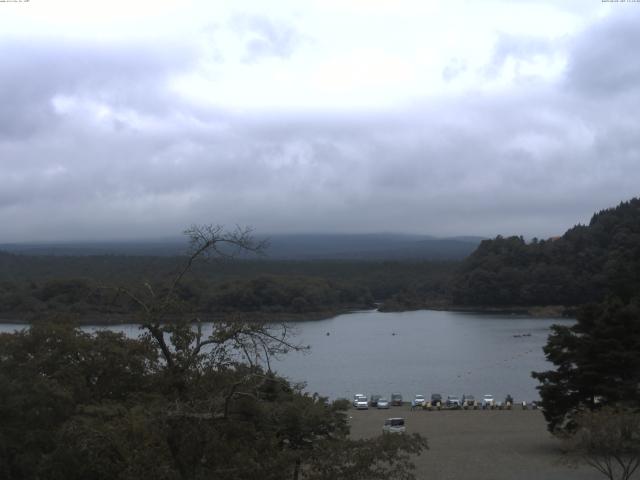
585, 264
32, 287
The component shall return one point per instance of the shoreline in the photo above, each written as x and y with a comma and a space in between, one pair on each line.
534, 311
110, 319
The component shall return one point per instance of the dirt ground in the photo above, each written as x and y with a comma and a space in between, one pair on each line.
479, 444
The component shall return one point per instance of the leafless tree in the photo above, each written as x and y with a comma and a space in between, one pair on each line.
181, 340
609, 440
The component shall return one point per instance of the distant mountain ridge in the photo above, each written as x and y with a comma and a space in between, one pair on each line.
383, 246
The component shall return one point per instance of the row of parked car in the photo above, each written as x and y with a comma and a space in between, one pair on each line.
361, 402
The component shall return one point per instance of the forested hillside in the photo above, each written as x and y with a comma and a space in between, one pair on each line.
582, 266
33, 286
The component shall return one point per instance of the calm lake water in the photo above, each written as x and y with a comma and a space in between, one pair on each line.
415, 352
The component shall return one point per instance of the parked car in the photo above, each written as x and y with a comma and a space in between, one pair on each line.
453, 401
358, 398
396, 399
383, 403
373, 400
394, 425
362, 403
468, 400
488, 401
435, 398
418, 401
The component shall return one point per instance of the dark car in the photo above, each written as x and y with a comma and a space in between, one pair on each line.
394, 425
435, 399
373, 400
396, 399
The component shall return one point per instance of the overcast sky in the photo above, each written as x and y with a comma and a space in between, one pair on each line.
125, 119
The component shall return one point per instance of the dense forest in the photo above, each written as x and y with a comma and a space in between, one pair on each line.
34, 287
583, 265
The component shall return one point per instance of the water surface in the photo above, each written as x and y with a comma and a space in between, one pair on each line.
413, 352
421, 352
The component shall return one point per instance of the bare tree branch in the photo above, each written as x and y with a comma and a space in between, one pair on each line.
183, 345
609, 441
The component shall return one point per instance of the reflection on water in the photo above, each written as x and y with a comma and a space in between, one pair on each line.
414, 352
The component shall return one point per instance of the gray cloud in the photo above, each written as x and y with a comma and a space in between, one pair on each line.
531, 160
35, 70
605, 60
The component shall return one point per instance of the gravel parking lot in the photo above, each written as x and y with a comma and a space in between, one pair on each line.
479, 444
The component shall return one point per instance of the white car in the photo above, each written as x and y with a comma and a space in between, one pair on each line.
360, 402
393, 425
488, 401
418, 401
453, 401
383, 403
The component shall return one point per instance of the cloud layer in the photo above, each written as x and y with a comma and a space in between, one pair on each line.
268, 120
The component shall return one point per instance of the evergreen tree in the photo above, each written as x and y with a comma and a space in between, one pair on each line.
585, 264
597, 363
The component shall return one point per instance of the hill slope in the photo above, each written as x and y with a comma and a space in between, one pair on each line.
584, 265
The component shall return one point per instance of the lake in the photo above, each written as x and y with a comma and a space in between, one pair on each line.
422, 351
